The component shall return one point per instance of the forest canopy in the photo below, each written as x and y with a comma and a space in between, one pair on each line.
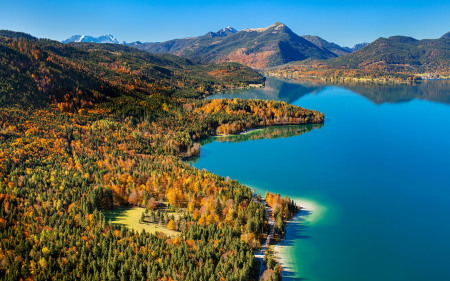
89, 127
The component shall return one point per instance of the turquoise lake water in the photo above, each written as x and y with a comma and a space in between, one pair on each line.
374, 179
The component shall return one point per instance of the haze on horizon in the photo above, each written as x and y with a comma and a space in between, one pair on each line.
345, 23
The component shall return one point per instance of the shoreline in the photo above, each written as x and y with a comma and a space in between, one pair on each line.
410, 79
245, 132
281, 250
258, 128
283, 253
284, 260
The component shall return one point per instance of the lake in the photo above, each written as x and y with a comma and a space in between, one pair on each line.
374, 178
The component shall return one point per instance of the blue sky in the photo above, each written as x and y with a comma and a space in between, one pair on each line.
344, 22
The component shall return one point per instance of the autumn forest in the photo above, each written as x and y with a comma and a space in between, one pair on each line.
86, 128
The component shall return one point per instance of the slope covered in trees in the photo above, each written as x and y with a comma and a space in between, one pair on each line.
87, 127
399, 52
41, 71
393, 59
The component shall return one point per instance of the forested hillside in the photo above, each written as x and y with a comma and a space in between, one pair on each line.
89, 127
90, 72
393, 59
398, 53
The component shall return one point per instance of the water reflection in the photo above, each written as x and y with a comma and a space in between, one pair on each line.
272, 132
290, 91
366, 168
275, 89
436, 91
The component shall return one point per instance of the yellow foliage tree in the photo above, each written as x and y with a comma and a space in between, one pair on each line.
171, 225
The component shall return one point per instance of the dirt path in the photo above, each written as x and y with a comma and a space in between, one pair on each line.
260, 254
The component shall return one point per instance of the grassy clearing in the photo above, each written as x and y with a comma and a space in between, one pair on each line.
130, 217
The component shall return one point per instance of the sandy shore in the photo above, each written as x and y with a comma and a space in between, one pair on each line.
284, 251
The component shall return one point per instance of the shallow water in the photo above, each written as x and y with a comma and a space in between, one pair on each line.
374, 179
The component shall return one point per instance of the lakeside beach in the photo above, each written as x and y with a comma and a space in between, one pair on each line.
311, 212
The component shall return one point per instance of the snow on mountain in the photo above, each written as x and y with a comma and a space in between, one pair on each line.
226, 31
220, 33
275, 26
108, 38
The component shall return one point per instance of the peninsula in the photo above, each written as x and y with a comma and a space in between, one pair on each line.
87, 128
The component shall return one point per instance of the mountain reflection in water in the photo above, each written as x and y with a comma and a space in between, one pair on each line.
290, 91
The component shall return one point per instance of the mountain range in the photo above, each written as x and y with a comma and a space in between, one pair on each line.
277, 45
257, 47
399, 52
